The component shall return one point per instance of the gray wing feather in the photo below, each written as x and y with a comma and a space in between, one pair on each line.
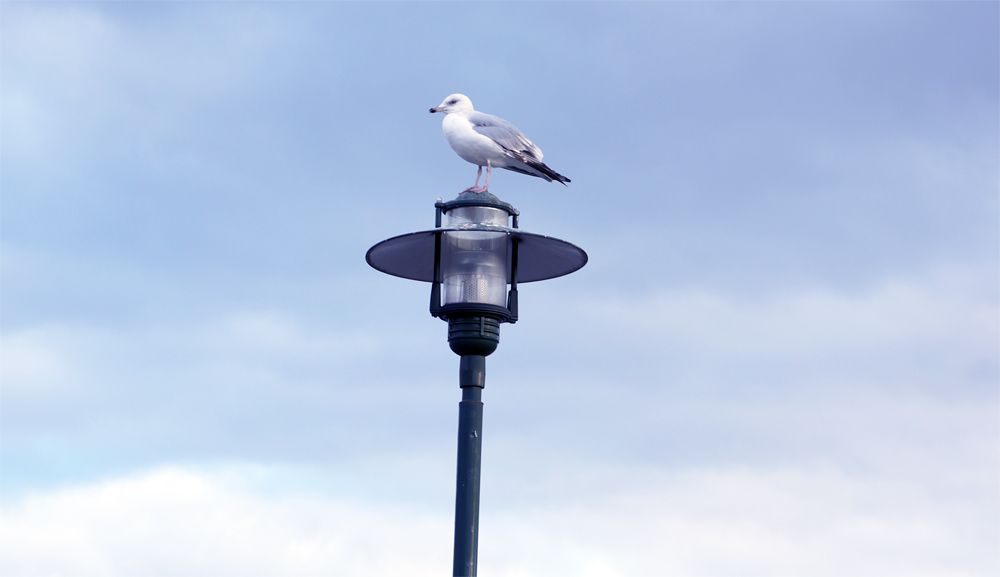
505, 134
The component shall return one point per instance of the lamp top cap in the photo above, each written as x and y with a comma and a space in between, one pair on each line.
469, 198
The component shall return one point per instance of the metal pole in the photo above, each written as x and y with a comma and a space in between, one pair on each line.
472, 379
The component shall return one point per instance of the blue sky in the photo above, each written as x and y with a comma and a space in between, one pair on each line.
782, 358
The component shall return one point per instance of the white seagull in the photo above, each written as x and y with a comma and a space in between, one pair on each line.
487, 140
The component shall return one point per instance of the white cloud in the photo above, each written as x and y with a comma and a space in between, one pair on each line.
713, 523
276, 334
68, 46
182, 522
889, 314
72, 357
786, 522
90, 85
942, 329
79, 397
190, 386
30, 360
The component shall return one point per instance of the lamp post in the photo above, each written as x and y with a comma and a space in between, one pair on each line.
474, 264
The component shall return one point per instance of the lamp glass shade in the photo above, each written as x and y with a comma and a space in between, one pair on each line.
465, 216
474, 267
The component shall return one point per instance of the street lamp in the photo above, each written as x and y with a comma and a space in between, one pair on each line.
474, 265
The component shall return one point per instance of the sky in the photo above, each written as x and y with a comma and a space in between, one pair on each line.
782, 359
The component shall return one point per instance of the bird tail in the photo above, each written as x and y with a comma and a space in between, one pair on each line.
533, 167
548, 173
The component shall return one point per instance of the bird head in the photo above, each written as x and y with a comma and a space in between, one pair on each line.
454, 103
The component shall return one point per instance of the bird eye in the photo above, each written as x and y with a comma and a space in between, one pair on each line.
453, 101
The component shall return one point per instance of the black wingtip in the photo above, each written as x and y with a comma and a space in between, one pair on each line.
537, 168
549, 173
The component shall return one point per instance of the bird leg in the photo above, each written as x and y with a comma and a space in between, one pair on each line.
489, 171
476, 187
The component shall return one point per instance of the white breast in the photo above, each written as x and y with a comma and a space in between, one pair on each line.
469, 144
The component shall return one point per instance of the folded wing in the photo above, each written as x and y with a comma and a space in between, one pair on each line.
524, 156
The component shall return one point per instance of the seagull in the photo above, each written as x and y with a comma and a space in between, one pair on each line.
487, 140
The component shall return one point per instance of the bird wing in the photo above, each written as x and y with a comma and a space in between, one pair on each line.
505, 134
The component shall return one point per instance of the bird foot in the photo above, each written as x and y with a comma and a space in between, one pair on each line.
479, 189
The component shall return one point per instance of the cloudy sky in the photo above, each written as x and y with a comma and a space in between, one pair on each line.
781, 360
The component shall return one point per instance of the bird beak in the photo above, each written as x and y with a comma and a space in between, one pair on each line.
433, 110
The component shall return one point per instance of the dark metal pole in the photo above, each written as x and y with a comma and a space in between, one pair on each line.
472, 379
